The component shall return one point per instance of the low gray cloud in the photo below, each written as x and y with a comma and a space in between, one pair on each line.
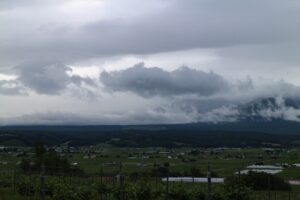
46, 78
225, 107
181, 96
279, 100
11, 87
154, 81
69, 118
202, 96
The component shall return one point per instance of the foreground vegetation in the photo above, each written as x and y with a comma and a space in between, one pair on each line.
90, 188
67, 173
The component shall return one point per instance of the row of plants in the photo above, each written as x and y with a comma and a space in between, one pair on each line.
57, 189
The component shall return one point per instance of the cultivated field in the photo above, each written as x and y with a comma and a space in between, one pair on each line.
101, 164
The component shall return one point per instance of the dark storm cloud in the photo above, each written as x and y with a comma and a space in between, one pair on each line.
45, 78
154, 81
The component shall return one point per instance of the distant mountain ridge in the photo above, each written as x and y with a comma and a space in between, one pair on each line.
271, 108
260, 122
235, 134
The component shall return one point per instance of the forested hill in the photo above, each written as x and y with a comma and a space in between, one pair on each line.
241, 134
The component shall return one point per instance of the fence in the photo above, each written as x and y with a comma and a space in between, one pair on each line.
50, 183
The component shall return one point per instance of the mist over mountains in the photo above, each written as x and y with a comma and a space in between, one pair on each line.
268, 109
263, 122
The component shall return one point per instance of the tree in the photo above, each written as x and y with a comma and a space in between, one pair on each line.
196, 172
24, 165
48, 158
259, 181
40, 149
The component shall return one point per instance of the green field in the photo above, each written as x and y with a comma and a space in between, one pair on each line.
223, 161
98, 160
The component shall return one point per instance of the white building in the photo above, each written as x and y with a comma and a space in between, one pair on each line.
296, 165
269, 169
193, 179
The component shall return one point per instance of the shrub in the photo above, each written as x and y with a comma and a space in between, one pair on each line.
260, 181
69, 192
25, 186
179, 192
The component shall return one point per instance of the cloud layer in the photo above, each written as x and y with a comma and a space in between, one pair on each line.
206, 97
11, 87
234, 52
164, 26
43, 78
179, 96
155, 81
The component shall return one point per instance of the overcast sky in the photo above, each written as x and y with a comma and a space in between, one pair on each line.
143, 62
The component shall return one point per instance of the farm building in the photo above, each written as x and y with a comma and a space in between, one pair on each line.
296, 165
269, 169
193, 180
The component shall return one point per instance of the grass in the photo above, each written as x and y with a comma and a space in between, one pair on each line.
224, 162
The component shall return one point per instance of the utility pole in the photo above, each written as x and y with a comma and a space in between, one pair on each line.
101, 181
14, 180
209, 196
239, 186
121, 182
167, 188
42, 180
269, 187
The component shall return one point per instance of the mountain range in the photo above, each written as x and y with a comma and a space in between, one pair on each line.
264, 122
